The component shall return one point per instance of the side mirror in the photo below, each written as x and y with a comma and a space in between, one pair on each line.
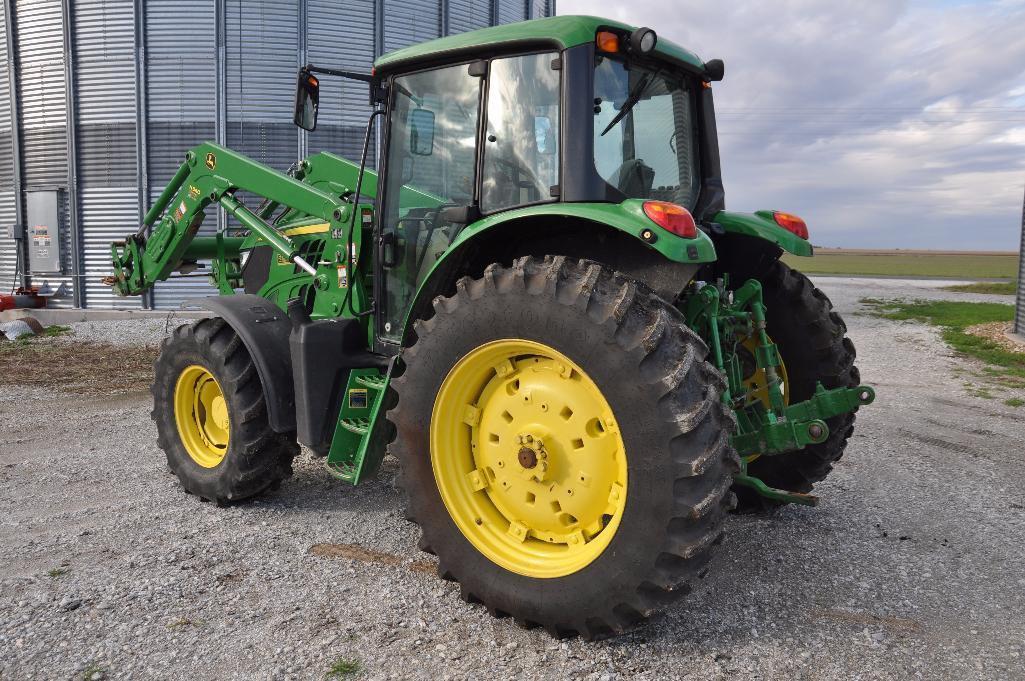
307, 100
421, 132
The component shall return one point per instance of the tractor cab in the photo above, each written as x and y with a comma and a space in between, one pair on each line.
514, 122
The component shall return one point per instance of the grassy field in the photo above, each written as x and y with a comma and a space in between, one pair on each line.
1007, 368
999, 288
941, 264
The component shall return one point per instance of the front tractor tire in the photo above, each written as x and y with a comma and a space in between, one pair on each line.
563, 446
814, 347
211, 417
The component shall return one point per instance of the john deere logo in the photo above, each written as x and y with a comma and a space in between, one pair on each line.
211, 160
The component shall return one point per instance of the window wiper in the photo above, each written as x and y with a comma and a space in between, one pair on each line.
629, 104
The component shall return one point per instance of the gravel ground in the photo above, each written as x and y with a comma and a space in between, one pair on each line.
128, 333
912, 565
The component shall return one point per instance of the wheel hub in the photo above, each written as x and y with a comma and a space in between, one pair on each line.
534, 471
527, 457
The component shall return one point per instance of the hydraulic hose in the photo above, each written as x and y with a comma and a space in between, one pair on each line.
347, 302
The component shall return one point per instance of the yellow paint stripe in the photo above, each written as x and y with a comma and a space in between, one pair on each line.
306, 229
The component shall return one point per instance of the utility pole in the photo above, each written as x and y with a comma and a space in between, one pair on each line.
1019, 317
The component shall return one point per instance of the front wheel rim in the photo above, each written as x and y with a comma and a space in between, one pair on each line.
201, 416
528, 458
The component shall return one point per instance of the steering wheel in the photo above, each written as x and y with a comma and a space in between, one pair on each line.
520, 170
434, 222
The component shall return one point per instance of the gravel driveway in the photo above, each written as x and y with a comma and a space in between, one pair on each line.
914, 564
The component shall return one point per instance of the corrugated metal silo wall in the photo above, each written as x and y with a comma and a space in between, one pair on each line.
540, 8
181, 96
104, 50
183, 77
262, 57
510, 11
407, 22
341, 38
466, 15
41, 99
7, 211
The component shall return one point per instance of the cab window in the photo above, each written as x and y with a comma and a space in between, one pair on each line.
521, 144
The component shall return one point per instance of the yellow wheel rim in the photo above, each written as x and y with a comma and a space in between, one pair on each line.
528, 458
201, 415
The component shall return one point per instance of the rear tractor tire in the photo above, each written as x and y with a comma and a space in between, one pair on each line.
211, 416
563, 446
813, 345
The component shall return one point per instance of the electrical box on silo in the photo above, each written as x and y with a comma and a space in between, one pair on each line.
42, 210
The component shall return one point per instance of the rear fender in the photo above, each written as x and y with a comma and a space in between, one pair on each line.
264, 330
662, 256
760, 225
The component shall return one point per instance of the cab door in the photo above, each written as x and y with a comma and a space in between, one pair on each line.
430, 165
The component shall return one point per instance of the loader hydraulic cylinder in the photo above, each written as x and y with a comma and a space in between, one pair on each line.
279, 243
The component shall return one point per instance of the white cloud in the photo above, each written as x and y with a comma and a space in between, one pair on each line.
882, 123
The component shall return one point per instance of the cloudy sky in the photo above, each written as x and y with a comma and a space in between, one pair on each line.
882, 123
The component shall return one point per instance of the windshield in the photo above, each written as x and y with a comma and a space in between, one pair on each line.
645, 143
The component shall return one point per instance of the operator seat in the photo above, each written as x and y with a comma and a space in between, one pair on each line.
634, 178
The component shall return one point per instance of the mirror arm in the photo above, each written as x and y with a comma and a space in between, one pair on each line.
377, 93
354, 75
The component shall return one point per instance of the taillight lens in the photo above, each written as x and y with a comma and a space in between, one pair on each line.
671, 217
791, 223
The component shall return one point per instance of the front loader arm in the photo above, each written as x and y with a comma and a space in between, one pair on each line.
213, 174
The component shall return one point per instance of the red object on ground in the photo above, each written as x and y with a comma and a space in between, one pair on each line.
23, 298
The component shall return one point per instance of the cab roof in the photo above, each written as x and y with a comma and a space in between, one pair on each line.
558, 32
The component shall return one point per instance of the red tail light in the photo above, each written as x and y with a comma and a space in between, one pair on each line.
791, 223
672, 217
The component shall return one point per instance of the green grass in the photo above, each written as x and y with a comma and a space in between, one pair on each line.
916, 264
343, 668
93, 672
1015, 402
24, 341
58, 572
1002, 288
953, 318
56, 330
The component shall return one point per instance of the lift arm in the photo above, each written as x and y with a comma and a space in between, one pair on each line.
213, 174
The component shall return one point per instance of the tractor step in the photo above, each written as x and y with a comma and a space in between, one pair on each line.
357, 425
359, 440
340, 471
373, 382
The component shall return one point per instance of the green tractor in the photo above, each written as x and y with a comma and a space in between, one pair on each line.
538, 304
